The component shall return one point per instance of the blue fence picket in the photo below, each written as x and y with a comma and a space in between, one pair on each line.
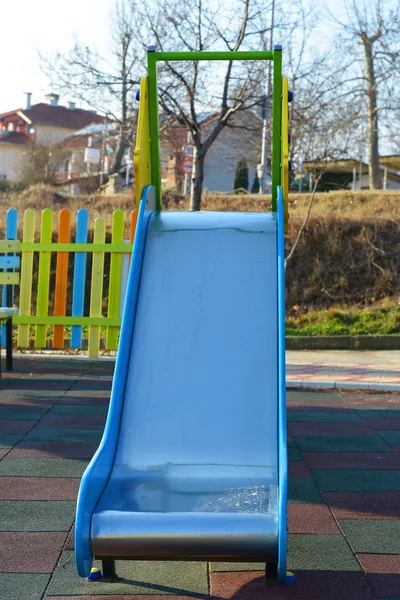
78, 294
11, 234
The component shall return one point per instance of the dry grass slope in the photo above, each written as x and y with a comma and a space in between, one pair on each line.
349, 253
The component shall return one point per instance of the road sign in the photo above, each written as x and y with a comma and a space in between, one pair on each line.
187, 166
188, 150
92, 156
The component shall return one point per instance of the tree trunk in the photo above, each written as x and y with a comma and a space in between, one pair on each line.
196, 187
372, 110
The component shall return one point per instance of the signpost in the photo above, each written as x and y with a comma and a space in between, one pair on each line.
187, 166
188, 150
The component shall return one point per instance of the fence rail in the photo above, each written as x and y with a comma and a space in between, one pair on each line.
66, 285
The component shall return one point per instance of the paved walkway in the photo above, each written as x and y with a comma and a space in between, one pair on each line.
344, 496
342, 369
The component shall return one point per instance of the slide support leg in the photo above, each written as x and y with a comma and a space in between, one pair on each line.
109, 571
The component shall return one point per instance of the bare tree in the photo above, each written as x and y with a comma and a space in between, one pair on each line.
373, 26
40, 163
105, 82
188, 89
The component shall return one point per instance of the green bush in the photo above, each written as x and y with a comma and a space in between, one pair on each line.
255, 188
241, 175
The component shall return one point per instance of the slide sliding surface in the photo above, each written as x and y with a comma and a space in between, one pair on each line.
188, 466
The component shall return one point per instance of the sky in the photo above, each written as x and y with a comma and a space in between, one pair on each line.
43, 26
46, 26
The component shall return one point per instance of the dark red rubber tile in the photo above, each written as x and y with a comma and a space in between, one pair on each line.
383, 571
352, 460
130, 597
311, 518
396, 448
16, 426
330, 429
298, 469
72, 421
26, 449
364, 505
30, 552
38, 488
318, 585
3, 452
383, 423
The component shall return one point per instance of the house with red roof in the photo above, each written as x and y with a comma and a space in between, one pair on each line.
43, 123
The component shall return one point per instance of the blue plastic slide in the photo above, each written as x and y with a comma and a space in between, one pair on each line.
192, 464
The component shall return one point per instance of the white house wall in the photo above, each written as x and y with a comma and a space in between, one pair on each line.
231, 145
10, 159
46, 134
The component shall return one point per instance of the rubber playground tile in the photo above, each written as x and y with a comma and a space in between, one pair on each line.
332, 429
320, 553
38, 488
91, 410
322, 415
364, 505
372, 536
70, 541
304, 491
310, 397
311, 519
33, 515
28, 400
379, 413
340, 443
310, 585
72, 421
293, 453
367, 401
25, 413
27, 449
357, 480
388, 424
42, 467
136, 578
391, 437
8, 440
3, 452
23, 586
60, 434
30, 552
10, 426
383, 572
298, 469
221, 567
85, 400
352, 460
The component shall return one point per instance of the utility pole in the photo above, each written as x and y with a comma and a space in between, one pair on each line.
267, 109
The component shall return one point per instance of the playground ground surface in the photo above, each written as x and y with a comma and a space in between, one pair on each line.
344, 489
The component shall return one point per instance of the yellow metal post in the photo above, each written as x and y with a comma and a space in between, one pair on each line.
285, 149
142, 159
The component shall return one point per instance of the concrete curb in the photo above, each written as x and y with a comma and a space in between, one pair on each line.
327, 384
343, 342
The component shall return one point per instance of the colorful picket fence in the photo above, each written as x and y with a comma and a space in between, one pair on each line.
55, 279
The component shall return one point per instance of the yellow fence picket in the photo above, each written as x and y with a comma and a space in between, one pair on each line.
96, 296
42, 305
25, 292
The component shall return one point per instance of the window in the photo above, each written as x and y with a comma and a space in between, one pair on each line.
10, 126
